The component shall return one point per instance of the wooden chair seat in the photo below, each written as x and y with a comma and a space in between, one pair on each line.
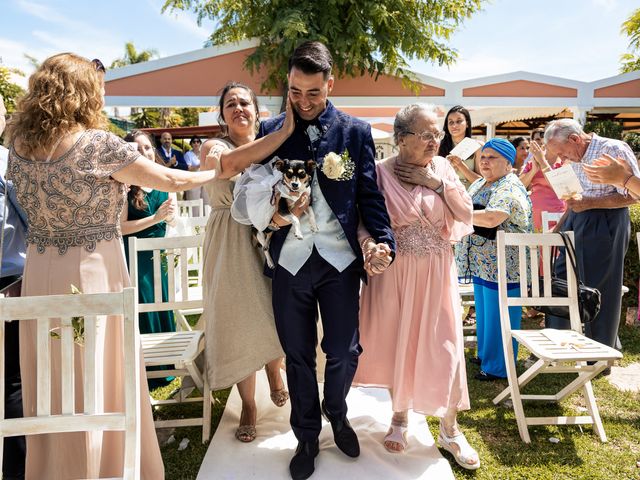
564, 345
179, 349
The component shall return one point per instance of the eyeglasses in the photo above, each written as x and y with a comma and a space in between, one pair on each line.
196, 141
428, 136
98, 65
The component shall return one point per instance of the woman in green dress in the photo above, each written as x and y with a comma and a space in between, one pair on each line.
145, 215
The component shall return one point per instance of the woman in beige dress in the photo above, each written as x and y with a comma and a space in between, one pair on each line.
238, 317
70, 178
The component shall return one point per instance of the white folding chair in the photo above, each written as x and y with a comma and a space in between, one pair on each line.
550, 220
191, 208
558, 351
194, 226
61, 309
181, 348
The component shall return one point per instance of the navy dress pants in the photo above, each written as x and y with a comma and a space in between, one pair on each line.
296, 299
601, 241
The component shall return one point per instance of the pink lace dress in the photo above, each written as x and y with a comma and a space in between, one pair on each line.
410, 316
73, 208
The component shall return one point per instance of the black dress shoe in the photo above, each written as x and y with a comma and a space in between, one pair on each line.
486, 377
302, 464
344, 436
475, 360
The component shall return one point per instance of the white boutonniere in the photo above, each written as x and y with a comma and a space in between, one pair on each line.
338, 167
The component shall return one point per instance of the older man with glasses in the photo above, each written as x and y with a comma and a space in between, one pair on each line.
599, 220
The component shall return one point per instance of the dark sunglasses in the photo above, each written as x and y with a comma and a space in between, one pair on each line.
196, 141
98, 65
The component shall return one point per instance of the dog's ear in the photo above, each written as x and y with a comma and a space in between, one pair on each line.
311, 164
279, 164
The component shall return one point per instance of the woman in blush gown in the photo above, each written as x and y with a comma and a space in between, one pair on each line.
409, 318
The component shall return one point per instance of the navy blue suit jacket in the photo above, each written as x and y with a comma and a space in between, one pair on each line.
182, 163
351, 199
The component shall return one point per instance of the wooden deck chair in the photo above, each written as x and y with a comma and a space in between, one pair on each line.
558, 351
181, 348
63, 308
191, 208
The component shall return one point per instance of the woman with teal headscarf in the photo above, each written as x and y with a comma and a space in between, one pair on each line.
500, 202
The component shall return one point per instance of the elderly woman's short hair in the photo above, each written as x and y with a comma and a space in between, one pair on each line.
406, 117
561, 129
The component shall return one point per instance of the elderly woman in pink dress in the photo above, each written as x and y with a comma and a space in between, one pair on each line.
409, 317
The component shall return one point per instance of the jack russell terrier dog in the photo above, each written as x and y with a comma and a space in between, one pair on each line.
296, 180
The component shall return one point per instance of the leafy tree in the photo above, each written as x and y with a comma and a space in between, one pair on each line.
131, 56
146, 118
631, 28
633, 140
190, 115
9, 90
373, 36
605, 128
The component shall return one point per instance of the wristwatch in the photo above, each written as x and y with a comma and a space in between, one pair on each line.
440, 189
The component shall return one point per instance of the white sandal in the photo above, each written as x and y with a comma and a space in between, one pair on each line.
465, 452
397, 434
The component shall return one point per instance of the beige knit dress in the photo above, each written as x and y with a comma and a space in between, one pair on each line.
240, 333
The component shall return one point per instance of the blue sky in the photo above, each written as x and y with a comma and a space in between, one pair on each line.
576, 39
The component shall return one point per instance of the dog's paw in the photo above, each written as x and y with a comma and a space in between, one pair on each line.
299, 236
314, 228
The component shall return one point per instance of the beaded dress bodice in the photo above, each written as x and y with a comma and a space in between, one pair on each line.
72, 200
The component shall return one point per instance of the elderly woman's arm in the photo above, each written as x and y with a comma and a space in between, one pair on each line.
489, 218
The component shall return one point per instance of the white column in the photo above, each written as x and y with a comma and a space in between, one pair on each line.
491, 130
579, 115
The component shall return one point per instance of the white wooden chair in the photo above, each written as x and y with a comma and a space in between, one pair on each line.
193, 226
550, 220
189, 208
61, 309
181, 348
558, 351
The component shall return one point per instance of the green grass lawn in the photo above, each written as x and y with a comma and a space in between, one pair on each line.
492, 430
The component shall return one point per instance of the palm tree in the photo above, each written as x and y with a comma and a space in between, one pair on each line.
631, 28
131, 56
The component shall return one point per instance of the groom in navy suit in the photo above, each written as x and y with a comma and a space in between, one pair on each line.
323, 270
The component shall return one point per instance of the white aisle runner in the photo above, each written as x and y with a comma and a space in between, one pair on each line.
268, 456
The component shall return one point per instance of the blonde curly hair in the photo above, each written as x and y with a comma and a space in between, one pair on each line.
65, 93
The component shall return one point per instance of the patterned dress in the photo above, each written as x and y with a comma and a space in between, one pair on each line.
477, 258
73, 209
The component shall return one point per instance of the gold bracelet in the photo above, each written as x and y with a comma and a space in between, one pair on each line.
363, 243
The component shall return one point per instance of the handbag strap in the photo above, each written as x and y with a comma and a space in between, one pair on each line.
571, 254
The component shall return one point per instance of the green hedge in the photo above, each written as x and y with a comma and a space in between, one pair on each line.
631, 262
